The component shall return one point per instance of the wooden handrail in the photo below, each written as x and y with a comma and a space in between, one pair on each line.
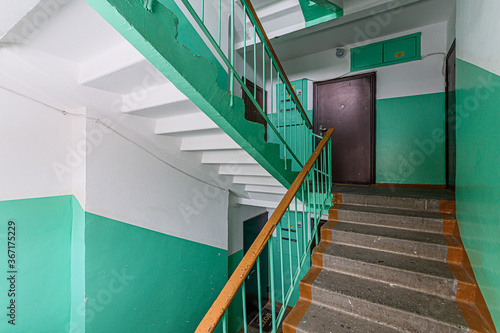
226, 296
271, 49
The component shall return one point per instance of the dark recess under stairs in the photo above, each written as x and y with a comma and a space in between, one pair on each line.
389, 260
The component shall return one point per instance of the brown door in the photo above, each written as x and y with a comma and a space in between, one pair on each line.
348, 105
251, 111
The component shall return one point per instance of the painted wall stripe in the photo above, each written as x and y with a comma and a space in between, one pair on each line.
469, 297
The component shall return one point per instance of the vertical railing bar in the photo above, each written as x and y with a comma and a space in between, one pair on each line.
307, 140
289, 227
224, 323
232, 53
280, 235
264, 77
271, 274
304, 224
326, 172
295, 129
272, 97
314, 200
259, 292
203, 11
220, 23
331, 161
284, 117
323, 170
244, 42
255, 62
244, 305
297, 234
308, 208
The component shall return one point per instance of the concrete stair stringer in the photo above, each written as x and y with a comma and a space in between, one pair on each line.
155, 36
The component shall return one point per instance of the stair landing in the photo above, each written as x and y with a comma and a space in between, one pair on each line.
390, 260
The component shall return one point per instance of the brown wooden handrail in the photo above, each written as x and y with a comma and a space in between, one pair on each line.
226, 296
271, 49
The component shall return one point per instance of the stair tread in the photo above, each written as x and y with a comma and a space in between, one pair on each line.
391, 260
382, 231
391, 211
382, 294
399, 192
319, 319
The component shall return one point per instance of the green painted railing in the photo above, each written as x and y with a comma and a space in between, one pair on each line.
258, 62
313, 184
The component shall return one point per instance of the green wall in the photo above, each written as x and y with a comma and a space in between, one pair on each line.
80, 272
410, 134
77, 316
43, 263
138, 280
478, 176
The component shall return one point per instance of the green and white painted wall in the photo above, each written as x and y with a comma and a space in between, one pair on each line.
108, 238
410, 115
478, 120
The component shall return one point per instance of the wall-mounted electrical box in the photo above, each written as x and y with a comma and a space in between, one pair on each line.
389, 52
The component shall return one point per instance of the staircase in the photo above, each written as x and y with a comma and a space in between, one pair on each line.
105, 73
389, 260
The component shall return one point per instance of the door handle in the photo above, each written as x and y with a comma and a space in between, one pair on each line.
322, 129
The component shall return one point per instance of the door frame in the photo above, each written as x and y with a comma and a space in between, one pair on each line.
446, 115
251, 311
373, 110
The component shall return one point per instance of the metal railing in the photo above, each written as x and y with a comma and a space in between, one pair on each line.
258, 62
313, 184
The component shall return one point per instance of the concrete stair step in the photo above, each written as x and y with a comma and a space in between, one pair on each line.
431, 222
405, 309
432, 277
400, 198
413, 243
320, 319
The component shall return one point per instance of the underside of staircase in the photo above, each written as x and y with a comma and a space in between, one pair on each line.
155, 34
390, 260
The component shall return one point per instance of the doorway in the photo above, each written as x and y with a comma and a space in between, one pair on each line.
251, 229
451, 125
348, 105
251, 111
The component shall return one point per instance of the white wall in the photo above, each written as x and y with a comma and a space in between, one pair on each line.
451, 27
478, 33
411, 78
45, 153
129, 184
33, 137
53, 154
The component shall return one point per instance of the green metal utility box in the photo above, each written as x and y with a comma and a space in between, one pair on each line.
389, 52
285, 113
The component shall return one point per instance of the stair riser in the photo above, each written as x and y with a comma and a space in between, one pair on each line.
390, 316
433, 285
411, 248
389, 220
429, 205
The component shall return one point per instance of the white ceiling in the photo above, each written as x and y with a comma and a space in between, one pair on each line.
347, 29
86, 35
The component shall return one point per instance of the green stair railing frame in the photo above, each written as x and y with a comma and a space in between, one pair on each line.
294, 147
313, 184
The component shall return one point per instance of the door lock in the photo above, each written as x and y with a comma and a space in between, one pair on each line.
322, 129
